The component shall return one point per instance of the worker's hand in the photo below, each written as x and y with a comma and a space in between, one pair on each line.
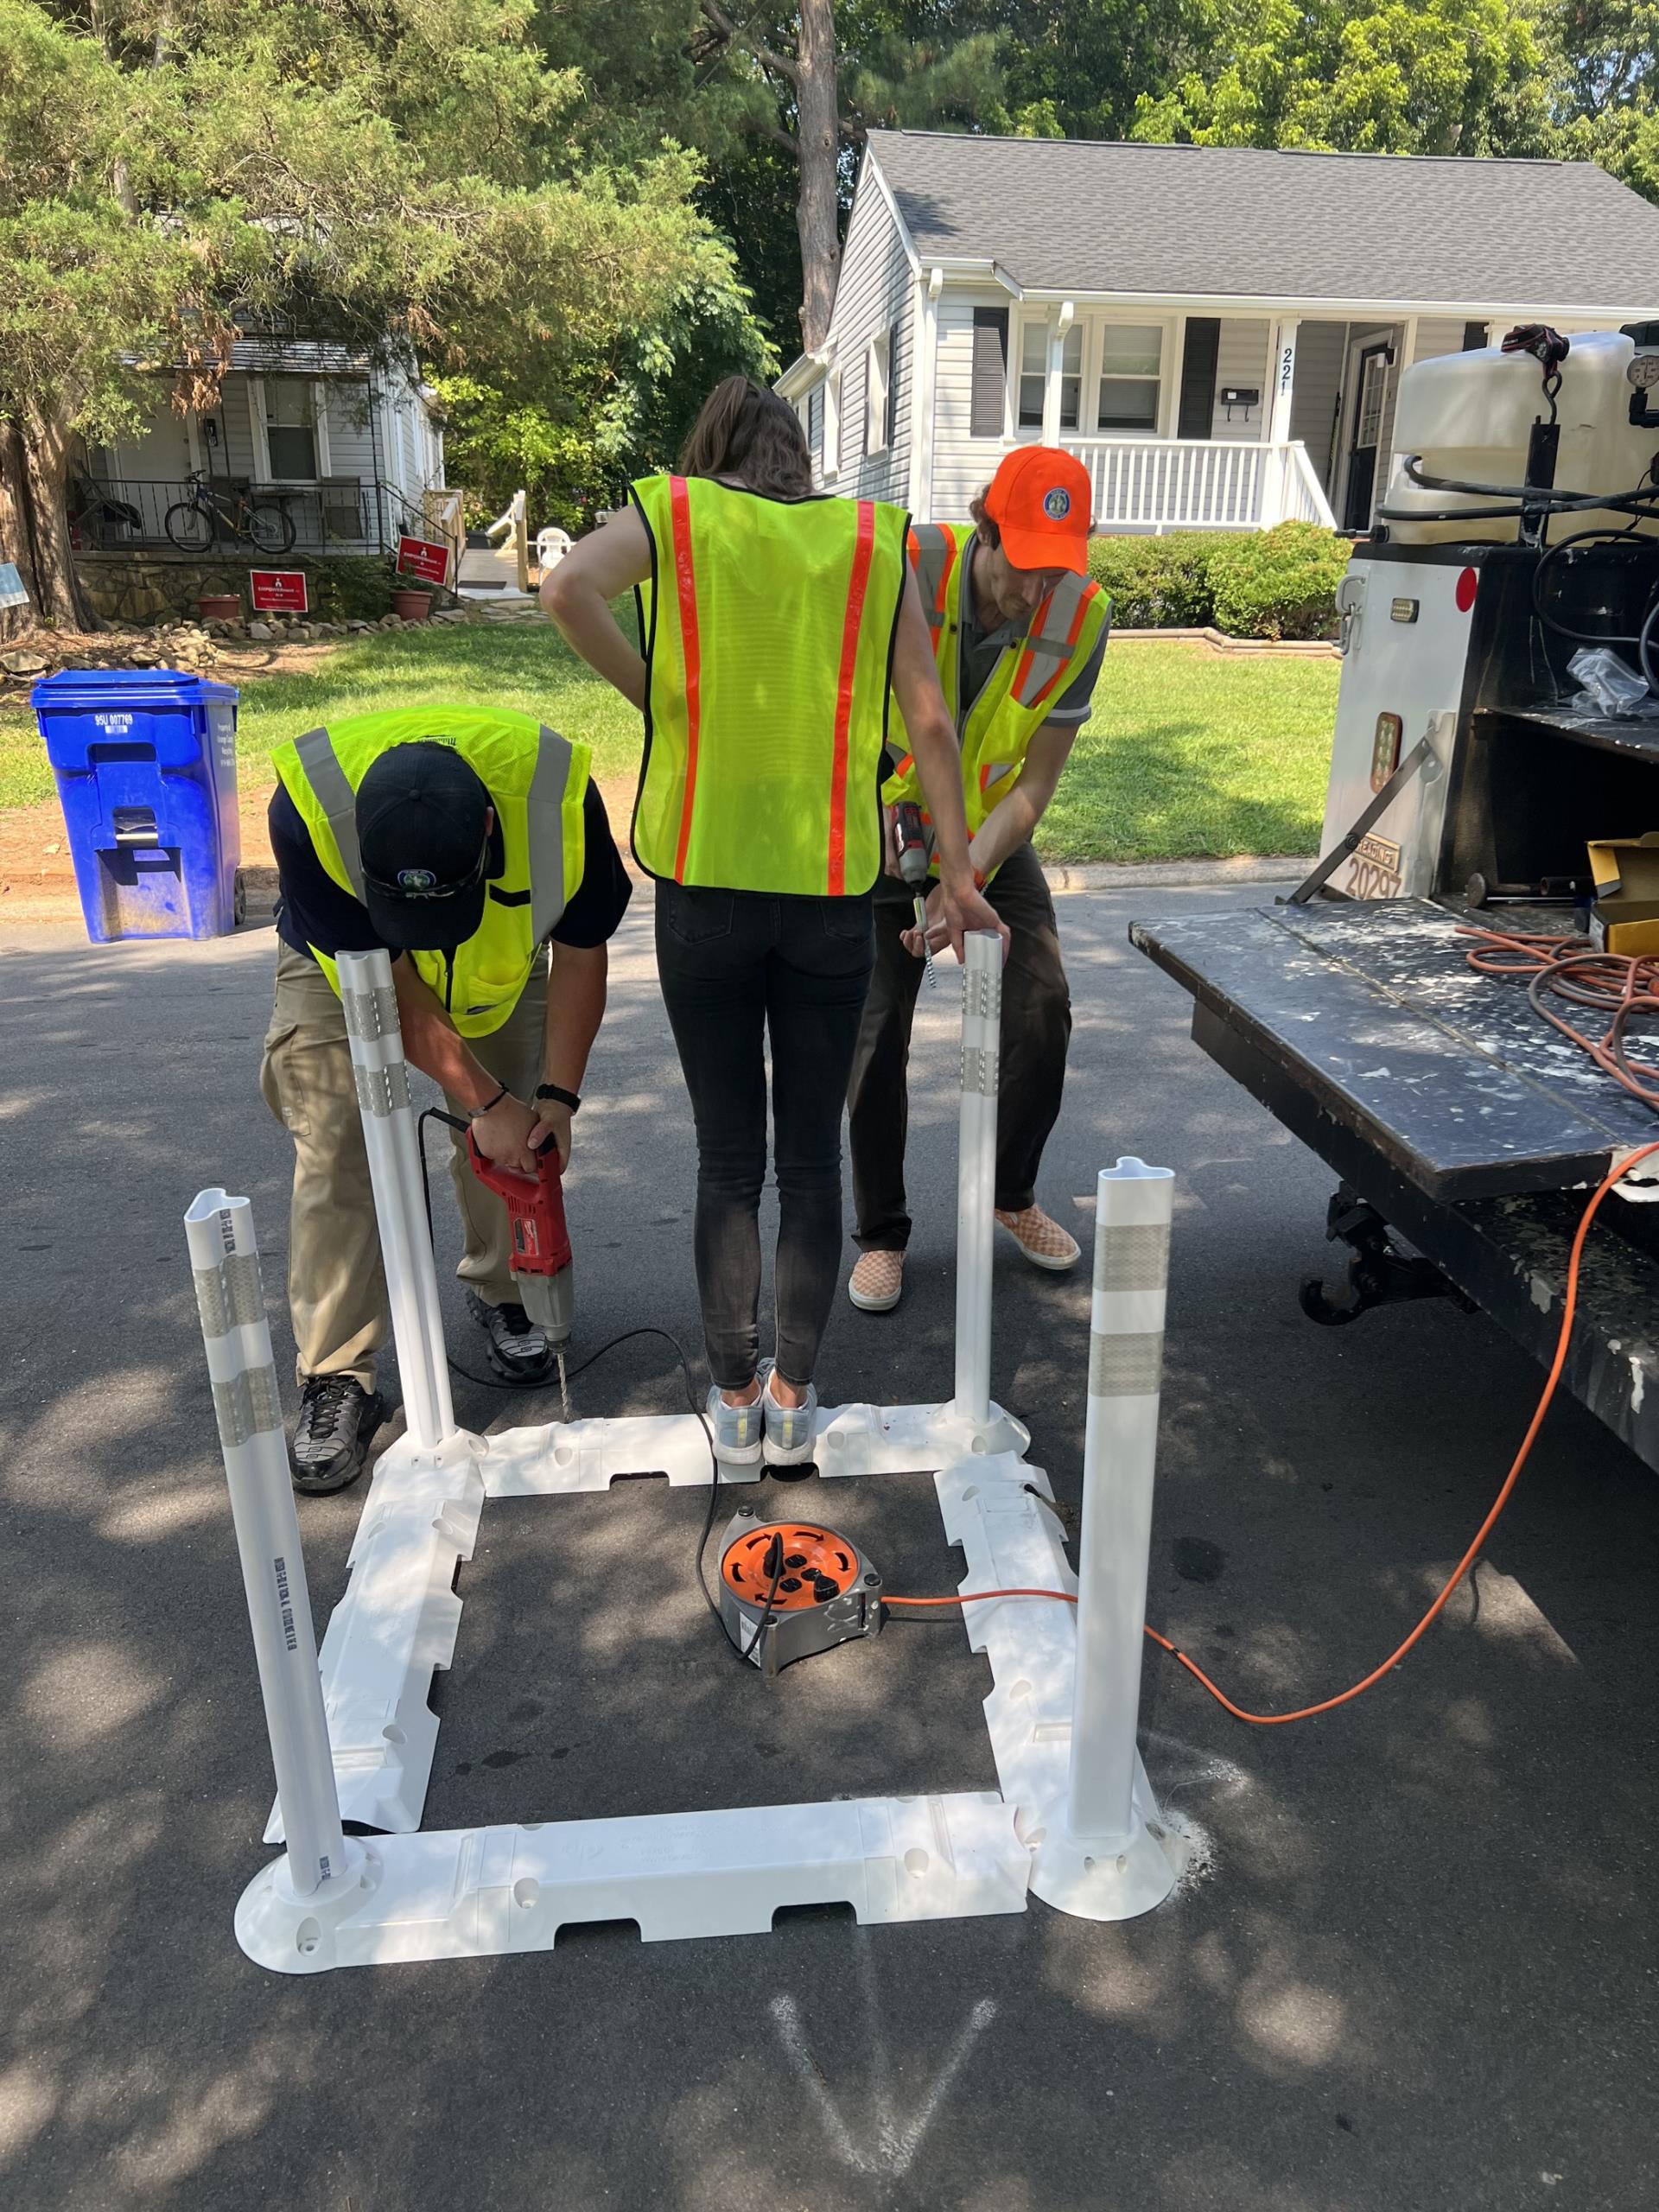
505, 1134
890, 844
952, 910
554, 1120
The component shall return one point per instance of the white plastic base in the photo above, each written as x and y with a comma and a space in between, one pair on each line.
1096, 1879
482, 1892
470, 1892
590, 1455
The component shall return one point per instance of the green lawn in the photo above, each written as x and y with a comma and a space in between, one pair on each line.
1196, 752
1189, 751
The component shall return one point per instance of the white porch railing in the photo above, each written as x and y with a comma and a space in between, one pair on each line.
1159, 483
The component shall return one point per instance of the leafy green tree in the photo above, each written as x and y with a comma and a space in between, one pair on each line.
1447, 76
397, 174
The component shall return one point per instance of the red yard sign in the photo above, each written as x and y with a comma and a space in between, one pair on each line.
419, 557
279, 591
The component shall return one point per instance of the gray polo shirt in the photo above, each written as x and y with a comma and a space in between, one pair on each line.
981, 649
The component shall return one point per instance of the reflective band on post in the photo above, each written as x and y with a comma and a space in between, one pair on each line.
1134, 1257
381, 1092
248, 1405
864, 546
686, 582
1126, 1367
335, 796
979, 1070
982, 993
370, 1014
231, 1295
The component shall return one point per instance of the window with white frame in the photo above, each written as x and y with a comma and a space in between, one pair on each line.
1131, 376
1033, 375
878, 371
832, 423
291, 430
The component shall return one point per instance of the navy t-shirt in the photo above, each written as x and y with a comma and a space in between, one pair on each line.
313, 909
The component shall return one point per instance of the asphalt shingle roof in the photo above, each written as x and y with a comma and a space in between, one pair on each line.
1211, 220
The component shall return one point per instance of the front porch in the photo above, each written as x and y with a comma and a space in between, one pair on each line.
1153, 485
1214, 420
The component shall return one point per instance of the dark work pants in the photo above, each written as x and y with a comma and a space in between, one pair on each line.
1036, 1031
737, 966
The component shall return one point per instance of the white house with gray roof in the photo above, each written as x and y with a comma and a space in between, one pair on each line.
1216, 332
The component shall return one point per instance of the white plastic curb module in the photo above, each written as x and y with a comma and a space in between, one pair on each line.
474, 1892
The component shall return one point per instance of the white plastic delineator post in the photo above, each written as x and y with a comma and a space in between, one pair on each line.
1104, 1852
324, 1868
389, 1131
981, 1033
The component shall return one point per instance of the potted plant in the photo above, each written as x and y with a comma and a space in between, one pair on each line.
219, 607
412, 606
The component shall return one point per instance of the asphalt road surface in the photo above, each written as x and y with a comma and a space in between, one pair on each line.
1415, 1967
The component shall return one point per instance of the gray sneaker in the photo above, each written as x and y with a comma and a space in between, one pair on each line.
789, 1428
737, 1430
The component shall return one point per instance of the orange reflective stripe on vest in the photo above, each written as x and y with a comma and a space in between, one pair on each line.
686, 577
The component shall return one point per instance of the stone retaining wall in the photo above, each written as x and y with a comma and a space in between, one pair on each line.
148, 588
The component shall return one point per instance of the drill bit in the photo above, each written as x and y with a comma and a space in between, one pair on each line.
564, 1383
927, 949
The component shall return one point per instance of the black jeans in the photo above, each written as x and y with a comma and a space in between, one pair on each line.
1036, 1032
734, 966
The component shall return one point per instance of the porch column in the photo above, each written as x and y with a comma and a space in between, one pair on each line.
1057, 329
1283, 370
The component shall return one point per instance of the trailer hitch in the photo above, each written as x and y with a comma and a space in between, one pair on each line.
1377, 1274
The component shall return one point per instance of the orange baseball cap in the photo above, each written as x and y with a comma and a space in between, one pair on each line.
1039, 499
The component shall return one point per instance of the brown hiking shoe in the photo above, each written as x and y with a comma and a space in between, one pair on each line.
878, 1282
1042, 1240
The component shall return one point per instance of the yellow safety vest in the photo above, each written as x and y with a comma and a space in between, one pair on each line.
1030, 673
768, 627
536, 781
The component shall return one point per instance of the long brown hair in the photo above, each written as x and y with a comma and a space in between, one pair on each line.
746, 431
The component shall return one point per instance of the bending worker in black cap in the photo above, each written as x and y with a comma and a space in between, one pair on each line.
470, 843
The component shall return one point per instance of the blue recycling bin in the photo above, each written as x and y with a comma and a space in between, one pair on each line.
145, 761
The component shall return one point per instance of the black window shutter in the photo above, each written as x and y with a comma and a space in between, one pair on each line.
989, 405
1475, 337
891, 424
1199, 376
814, 417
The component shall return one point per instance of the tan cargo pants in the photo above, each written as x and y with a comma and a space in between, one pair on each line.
336, 1287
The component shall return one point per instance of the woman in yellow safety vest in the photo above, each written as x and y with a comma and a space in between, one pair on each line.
771, 618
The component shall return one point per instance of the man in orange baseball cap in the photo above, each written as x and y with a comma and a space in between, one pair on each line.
1017, 631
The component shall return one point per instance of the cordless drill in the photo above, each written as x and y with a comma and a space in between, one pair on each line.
915, 853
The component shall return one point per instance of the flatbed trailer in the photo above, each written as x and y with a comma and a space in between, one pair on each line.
1451, 1112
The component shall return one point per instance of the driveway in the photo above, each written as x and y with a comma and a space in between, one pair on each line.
1414, 1966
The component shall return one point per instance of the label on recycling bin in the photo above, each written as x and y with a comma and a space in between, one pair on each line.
277, 591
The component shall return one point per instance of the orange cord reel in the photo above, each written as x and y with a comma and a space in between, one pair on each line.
791, 1588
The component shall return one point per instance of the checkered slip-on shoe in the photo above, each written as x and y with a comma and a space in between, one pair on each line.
1042, 1240
877, 1282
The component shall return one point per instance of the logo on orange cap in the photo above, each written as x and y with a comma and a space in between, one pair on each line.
1039, 500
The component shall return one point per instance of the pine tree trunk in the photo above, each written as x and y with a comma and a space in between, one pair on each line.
45, 456
16, 544
817, 139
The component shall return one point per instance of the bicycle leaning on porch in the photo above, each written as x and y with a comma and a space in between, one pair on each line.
204, 514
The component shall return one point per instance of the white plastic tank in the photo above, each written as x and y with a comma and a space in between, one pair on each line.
1469, 415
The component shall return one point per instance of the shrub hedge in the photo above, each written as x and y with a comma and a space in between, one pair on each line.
1271, 583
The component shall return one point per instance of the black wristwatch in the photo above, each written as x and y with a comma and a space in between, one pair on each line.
563, 1098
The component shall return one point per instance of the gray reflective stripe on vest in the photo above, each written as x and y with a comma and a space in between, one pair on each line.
932, 552
549, 894
1046, 640
335, 797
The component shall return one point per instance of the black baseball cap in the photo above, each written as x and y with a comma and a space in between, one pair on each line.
422, 831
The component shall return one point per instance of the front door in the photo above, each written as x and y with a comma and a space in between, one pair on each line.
1371, 388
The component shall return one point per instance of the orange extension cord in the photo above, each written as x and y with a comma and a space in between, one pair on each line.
1306, 1712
